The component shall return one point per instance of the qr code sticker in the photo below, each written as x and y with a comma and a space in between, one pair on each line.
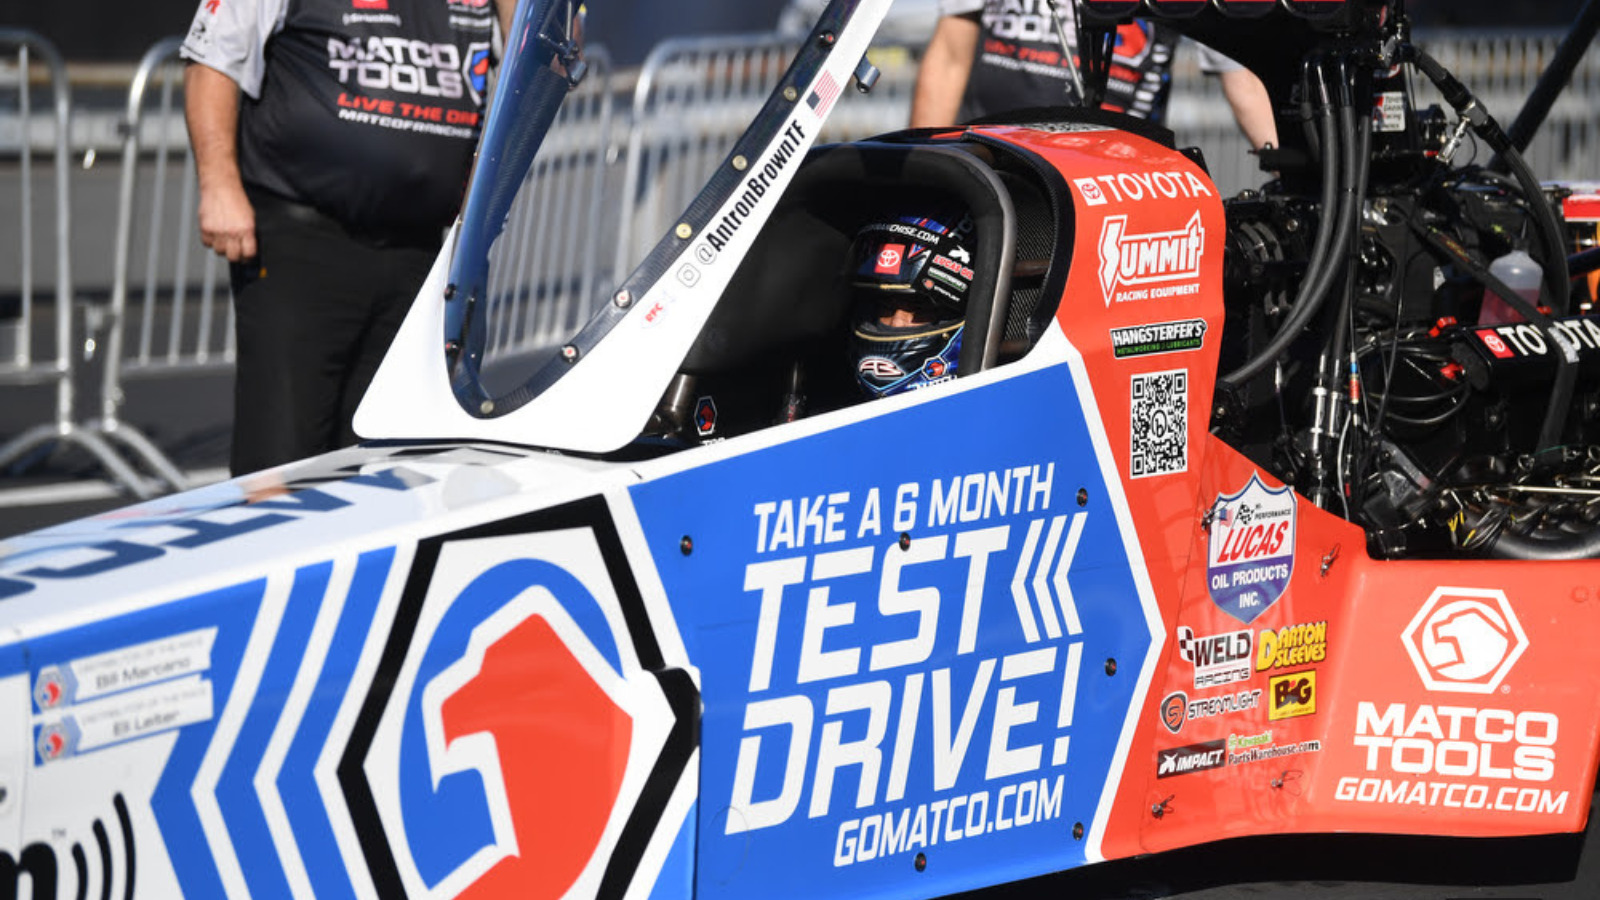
1159, 418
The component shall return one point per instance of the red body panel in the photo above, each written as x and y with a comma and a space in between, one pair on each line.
1419, 697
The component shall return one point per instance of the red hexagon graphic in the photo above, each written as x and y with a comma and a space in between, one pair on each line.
1464, 640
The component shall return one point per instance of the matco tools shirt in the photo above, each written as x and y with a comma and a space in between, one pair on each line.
1019, 64
367, 110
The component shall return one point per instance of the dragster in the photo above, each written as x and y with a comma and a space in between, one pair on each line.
1225, 517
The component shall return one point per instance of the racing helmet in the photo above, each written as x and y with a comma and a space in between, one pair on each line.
911, 277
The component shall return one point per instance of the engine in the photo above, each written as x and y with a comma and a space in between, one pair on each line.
1403, 343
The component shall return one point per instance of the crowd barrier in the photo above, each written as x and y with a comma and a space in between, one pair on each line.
41, 342
619, 168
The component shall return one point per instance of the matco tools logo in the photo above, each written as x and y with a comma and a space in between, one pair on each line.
1464, 640
524, 727
1169, 260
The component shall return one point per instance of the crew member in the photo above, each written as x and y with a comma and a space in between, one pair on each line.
332, 140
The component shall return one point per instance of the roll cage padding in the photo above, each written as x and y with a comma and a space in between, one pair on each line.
792, 287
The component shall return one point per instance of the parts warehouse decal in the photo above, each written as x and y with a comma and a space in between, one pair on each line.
756, 188
895, 658
1250, 550
1162, 337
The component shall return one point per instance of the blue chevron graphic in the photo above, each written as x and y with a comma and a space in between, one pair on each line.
313, 833
236, 794
232, 612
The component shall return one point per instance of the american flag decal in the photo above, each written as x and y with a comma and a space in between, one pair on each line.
823, 95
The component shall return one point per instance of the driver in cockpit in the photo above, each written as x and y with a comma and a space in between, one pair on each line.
910, 278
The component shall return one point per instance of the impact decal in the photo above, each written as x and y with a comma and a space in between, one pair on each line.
1158, 419
1464, 640
1158, 338
1250, 549
1153, 266
1191, 759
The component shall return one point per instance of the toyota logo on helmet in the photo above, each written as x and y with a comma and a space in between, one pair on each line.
911, 276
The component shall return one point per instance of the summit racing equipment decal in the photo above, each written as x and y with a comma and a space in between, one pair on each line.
894, 654
1169, 260
1465, 640
1250, 550
537, 616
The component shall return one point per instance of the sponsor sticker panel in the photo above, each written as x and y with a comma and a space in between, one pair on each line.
1250, 549
894, 655
1459, 733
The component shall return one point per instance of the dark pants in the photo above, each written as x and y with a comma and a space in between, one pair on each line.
316, 311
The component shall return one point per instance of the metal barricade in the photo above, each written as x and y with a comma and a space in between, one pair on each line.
544, 268
170, 311
38, 342
1501, 67
695, 96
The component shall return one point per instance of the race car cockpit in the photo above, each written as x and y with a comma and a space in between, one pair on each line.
775, 350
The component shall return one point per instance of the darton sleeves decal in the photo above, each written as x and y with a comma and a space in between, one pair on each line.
911, 662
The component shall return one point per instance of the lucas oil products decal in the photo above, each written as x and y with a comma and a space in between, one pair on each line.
1250, 551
